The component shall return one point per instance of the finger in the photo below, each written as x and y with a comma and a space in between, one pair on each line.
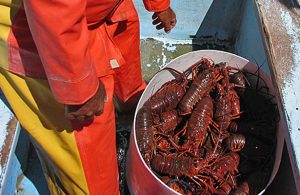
154, 16
166, 25
98, 113
172, 25
173, 22
70, 116
156, 21
81, 112
89, 118
100, 107
160, 26
168, 29
80, 118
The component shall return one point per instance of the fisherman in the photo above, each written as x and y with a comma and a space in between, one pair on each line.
61, 64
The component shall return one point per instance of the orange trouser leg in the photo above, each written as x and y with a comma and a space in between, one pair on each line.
97, 147
128, 78
74, 162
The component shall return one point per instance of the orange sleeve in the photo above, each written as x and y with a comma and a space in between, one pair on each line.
156, 5
59, 29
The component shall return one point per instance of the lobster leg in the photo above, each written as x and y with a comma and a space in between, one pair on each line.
214, 124
172, 142
195, 178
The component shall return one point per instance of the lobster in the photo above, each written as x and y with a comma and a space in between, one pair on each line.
145, 134
239, 80
179, 165
235, 109
233, 95
227, 104
206, 148
200, 87
227, 163
233, 127
177, 185
167, 121
242, 189
198, 125
223, 108
170, 93
163, 144
235, 142
167, 97
193, 168
226, 167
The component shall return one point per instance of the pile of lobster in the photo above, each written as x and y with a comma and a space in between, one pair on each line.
188, 131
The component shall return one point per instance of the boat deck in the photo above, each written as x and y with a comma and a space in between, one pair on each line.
264, 31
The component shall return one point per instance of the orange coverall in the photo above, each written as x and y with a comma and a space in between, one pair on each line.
53, 53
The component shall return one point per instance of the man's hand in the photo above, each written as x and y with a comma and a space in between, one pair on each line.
87, 111
165, 19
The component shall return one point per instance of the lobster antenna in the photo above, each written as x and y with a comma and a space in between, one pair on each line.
172, 70
196, 65
257, 72
256, 63
258, 78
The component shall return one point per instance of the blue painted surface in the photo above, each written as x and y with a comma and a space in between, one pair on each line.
7, 170
11, 169
26, 187
15, 174
11, 176
249, 42
190, 14
222, 20
291, 91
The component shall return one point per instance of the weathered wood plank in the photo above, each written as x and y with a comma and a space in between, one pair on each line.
280, 22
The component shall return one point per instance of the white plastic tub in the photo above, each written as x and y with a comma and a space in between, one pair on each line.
141, 180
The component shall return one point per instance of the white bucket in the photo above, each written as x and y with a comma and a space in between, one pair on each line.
140, 179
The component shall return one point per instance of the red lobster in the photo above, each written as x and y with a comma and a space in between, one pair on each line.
163, 145
200, 87
236, 142
240, 84
200, 170
223, 108
145, 134
178, 185
170, 93
227, 105
227, 164
198, 125
242, 189
239, 79
167, 121
179, 165
226, 167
